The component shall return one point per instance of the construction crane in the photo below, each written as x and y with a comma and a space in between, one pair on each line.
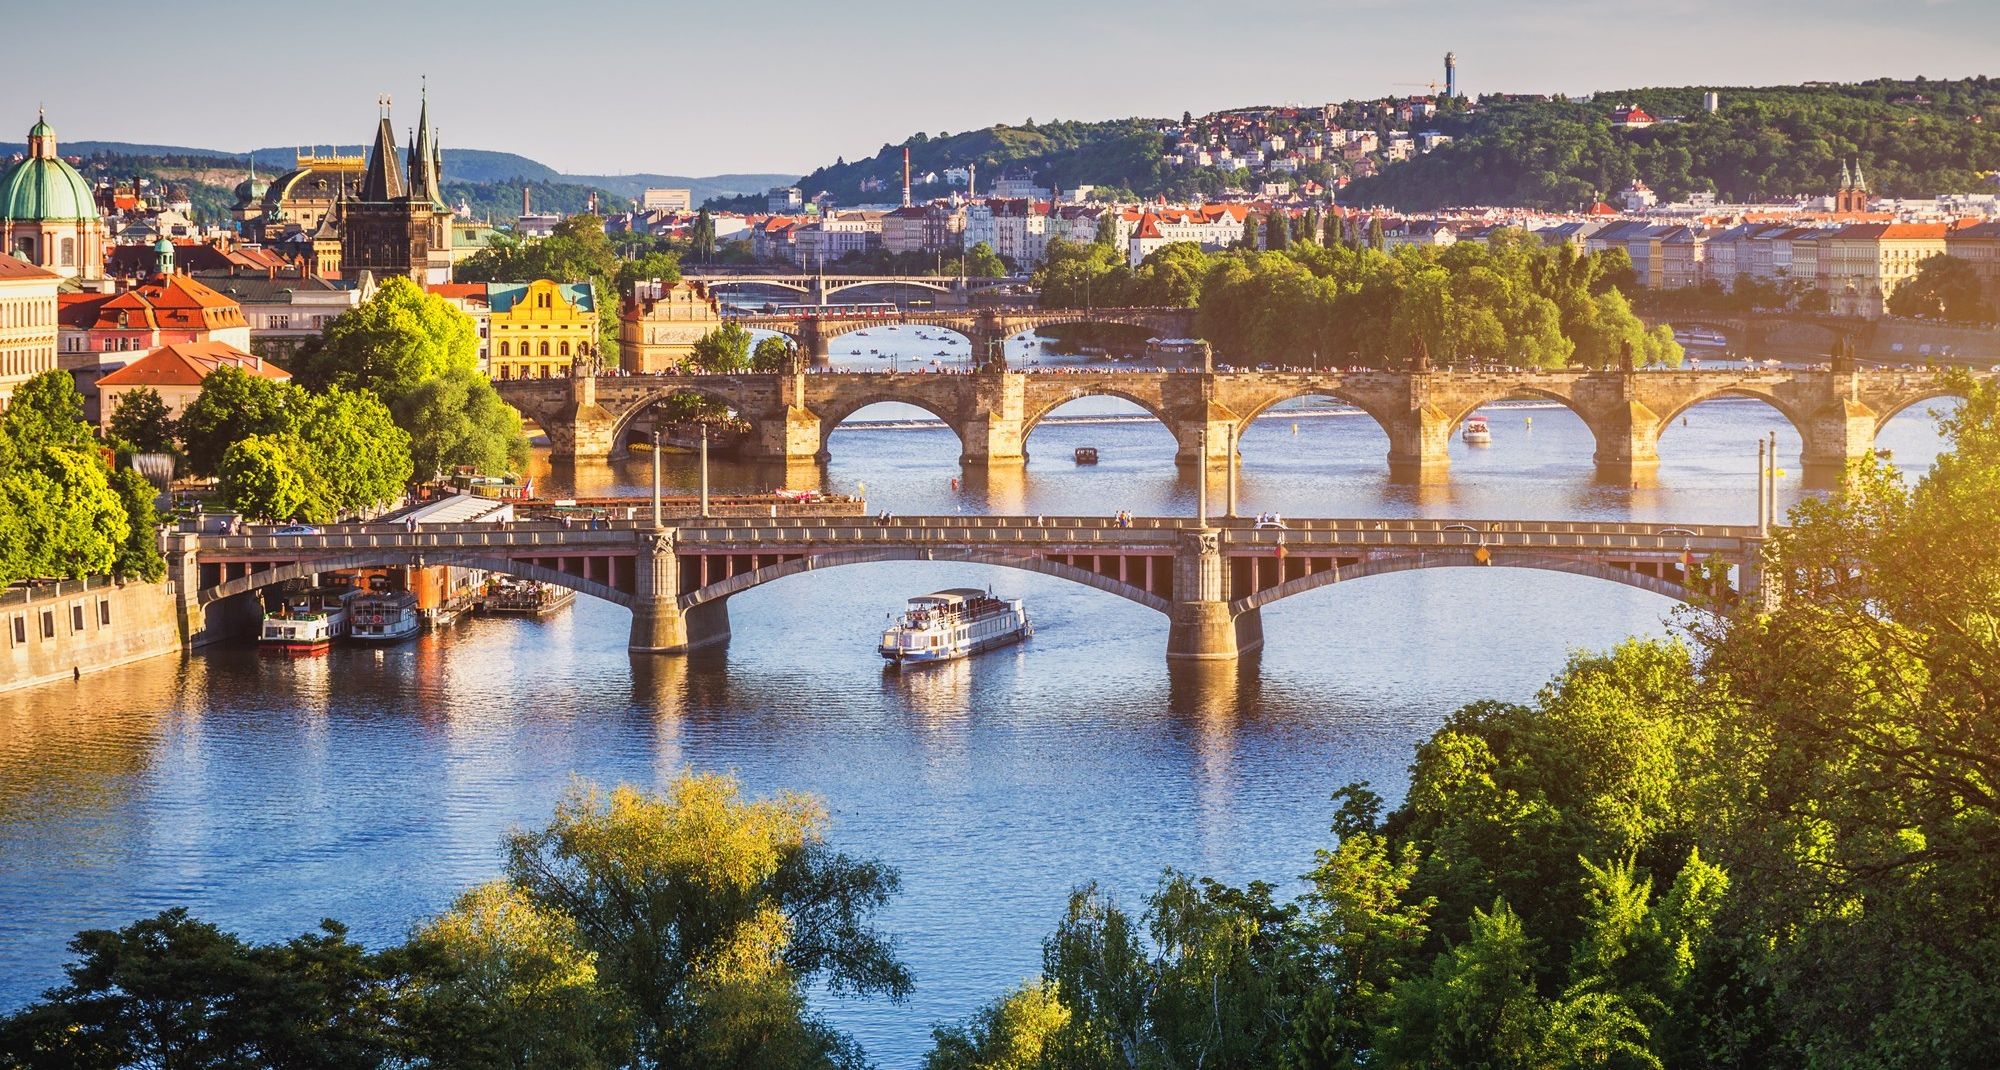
1432, 86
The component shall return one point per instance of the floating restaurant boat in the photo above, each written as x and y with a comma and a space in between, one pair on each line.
1477, 432
952, 624
310, 620
525, 598
389, 617
1697, 337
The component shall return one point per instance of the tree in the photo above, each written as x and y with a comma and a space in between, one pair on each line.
981, 262
64, 517
1016, 1032
1277, 230
709, 914
141, 420
462, 421
772, 354
234, 405
1945, 287
1250, 232
348, 448
701, 236
257, 478
722, 351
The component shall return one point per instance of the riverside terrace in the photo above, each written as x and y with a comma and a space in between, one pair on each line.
1837, 411
1210, 579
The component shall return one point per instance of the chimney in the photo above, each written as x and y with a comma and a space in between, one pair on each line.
524, 200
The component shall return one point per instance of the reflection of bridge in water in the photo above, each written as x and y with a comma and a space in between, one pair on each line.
1837, 413
1210, 581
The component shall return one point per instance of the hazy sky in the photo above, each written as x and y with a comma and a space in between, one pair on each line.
784, 85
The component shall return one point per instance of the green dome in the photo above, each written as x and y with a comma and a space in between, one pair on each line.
39, 188
41, 129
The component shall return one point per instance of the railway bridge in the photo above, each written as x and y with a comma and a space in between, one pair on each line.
818, 287
1211, 579
1837, 411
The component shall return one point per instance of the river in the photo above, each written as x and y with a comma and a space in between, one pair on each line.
374, 785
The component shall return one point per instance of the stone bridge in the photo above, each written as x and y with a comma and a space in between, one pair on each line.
816, 288
1837, 413
1211, 579
986, 328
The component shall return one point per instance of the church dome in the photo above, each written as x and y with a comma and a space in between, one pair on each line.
251, 190
43, 186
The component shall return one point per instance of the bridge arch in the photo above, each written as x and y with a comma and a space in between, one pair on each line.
1902, 405
646, 404
403, 558
957, 555
834, 413
1043, 407
1800, 422
747, 281
1317, 390
1455, 558
942, 285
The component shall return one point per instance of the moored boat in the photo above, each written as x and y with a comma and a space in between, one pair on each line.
1700, 338
387, 617
954, 623
525, 598
1086, 455
1477, 432
285, 633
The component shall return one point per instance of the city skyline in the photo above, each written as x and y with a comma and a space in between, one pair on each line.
869, 74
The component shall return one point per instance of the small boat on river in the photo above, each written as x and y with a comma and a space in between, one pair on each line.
525, 598
1086, 455
387, 617
1477, 432
309, 621
950, 624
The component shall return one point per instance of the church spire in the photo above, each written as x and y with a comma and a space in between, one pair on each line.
1846, 176
425, 159
383, 181
1860, 184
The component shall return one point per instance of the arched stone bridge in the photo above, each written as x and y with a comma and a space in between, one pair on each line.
1837, 413
816, 288
985, 328
1211, 582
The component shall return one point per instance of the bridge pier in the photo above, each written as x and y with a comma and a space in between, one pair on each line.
582, 429
813, 345
1835, 437
1420, 445
995, 433
659, 624
1200, 625
1628, 442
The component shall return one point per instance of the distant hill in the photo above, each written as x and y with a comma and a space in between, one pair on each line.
1117, 153
471, 168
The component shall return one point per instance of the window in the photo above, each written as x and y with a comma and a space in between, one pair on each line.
76, 618
545, 349
503, 349
69, 252
19, 628
565, 349
104, 612
48, 624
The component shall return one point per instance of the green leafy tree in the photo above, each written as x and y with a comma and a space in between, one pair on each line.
708, 915
1277, 230
1945, 287
351, 453
772, 354
464, 422
722, 351
1019, 1031
234, 405
258, 478
141, 420
139, 557
64, 516
981, 262
701, 236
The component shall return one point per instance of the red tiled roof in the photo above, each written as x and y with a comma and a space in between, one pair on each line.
188, 363
1149, 227
13, 267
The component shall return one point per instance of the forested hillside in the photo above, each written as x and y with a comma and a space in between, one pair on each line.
1912, 139
1123, 153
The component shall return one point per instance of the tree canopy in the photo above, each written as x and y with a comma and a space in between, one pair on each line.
64, 511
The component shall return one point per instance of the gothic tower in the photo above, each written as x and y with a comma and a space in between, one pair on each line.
396, 222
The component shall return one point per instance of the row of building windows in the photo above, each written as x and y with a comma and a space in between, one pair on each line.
562, 350
19, 362
534, 371
32, 312
45, 623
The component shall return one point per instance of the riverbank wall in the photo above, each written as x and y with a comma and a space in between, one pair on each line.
58, 631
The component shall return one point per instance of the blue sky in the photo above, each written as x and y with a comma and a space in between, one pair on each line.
783, 85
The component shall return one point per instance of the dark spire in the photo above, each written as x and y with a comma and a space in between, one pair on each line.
383, 181
425, 172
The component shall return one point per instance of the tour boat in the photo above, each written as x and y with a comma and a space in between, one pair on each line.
389, 617
525, 598
1086, 455
952, 624
1701, 338
286, 633
1476, 432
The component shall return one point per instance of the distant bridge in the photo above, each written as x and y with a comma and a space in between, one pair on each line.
1837, 413
1211, 582
987, 328
817, 287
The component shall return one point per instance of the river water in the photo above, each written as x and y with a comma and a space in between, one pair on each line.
374, 785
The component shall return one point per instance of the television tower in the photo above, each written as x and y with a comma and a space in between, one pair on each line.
906, 176
1451, 74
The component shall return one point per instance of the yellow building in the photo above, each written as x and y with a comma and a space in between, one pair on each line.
1861, 265
540, 329
27, 324
661, 323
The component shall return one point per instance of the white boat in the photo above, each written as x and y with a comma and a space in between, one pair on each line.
386, 618
953, 624
1700, 338
302, 634
1477, 432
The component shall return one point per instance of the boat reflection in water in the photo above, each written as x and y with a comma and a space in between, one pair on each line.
953, 624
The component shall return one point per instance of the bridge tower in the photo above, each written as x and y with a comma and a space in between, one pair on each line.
659, 624
1201, 626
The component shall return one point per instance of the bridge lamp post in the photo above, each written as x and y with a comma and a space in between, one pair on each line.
658, 517
704, 471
